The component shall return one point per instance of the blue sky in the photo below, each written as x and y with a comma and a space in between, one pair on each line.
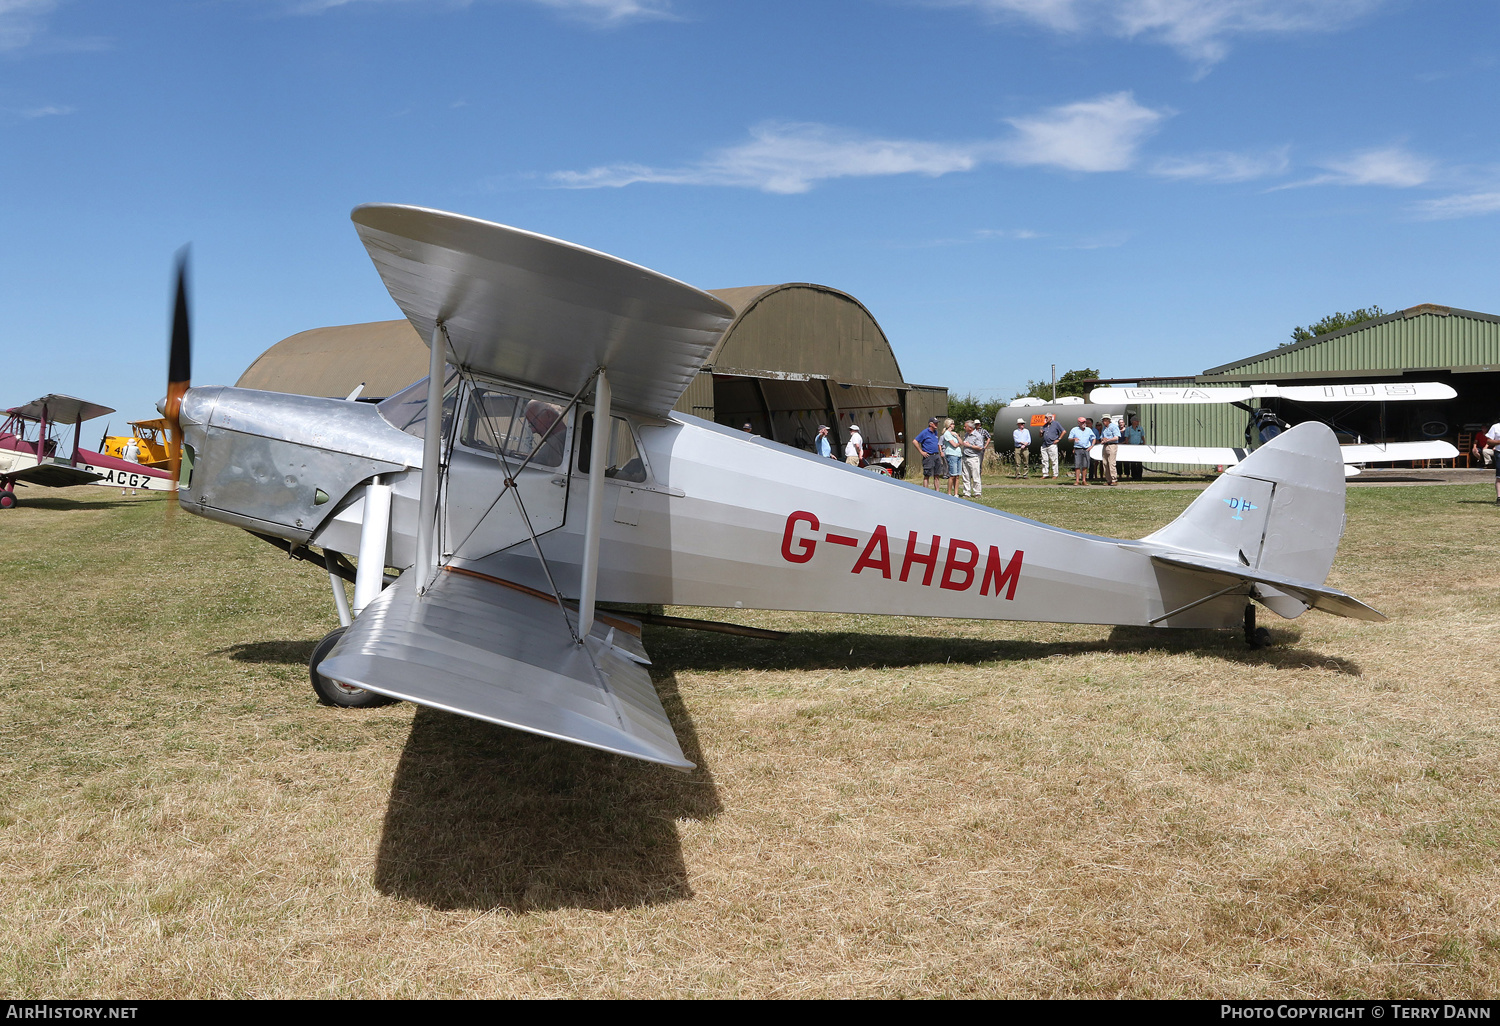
1147, 187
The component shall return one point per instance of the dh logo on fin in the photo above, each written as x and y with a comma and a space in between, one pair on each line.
1241, 506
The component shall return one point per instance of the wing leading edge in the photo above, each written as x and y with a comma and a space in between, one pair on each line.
481, 648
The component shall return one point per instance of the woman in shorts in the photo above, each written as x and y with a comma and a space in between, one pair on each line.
953, 453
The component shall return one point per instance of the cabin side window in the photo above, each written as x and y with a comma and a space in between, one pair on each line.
515, 426
625, 462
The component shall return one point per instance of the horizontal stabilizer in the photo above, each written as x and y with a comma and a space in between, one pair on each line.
1318, 596
479, 647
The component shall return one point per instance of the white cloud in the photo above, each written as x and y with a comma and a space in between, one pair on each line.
780, 157
1198, 29
21, 20
1391, 166
1102, 134
47, 111
1447, 208
1223, 167
599, 12
1007, 233
789, 158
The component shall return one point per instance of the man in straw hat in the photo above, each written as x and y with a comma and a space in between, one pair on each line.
1023, 448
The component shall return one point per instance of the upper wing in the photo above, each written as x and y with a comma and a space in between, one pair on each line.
61, 409
479, 647
1390, 391
535, 310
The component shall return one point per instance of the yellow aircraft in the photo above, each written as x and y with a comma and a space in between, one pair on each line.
150, 438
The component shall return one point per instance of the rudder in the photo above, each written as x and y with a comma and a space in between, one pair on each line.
1281, 511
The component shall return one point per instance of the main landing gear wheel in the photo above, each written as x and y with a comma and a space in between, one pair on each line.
336, 692
7, 500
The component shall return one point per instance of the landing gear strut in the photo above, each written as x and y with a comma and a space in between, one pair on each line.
1255, 637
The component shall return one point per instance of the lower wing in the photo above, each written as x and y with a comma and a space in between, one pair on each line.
1216, 456
481, 647
54, 475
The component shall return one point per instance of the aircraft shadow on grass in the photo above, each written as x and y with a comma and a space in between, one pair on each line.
484, 818
487, 819
832, 650
481, 818
674, 649
71, 505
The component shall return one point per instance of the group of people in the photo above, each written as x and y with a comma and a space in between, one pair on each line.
1108, 435
955, 456
854, 449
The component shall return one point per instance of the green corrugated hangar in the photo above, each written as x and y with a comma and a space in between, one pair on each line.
1422, 343
795, 356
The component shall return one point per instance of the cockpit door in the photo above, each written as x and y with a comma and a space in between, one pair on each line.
505, 436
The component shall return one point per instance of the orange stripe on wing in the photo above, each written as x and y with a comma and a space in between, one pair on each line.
623, 625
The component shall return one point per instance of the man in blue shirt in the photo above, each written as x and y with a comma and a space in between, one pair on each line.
933, 464
1052, 432
1082, 438
825, 448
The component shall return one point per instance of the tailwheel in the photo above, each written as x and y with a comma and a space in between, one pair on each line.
7, 500
336, 692
1255, 637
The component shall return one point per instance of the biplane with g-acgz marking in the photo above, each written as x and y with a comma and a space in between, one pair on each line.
33, 443
540, 475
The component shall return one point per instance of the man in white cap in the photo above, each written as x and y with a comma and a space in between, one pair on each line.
1083, 439
1023, 448
854, 451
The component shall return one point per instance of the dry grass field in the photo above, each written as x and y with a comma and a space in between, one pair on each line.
884, 807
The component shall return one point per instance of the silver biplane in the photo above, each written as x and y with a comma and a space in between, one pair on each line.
540, 470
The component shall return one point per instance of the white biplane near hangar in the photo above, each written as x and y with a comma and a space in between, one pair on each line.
557, 477
1264, 424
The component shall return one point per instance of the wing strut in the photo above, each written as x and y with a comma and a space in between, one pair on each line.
432, 453
598, 460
